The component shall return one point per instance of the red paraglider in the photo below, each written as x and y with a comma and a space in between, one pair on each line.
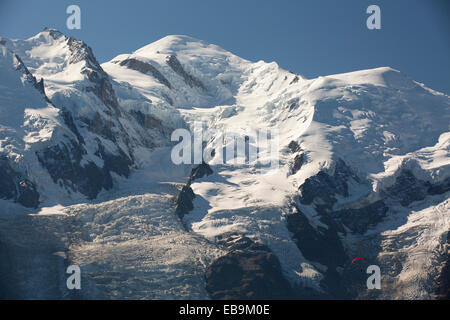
357, 259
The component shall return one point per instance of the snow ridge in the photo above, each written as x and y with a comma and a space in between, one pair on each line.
363, 163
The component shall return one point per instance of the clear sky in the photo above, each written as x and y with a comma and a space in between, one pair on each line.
310, 37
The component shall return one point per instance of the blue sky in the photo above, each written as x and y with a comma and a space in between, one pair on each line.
309, 37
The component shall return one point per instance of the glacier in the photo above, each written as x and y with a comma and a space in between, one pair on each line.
363, 172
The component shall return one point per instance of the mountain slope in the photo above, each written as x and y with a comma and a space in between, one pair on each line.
29, 121
355, 165
107, 135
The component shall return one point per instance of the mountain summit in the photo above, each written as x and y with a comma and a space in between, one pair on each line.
364, 171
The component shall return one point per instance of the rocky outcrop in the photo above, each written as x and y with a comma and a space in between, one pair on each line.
28, 195
145, 68
407, 188
119, 163
324, 244
200, 171
55, 34
440, 188
15, 187
39, 85
294, 147
321, 245
100, 126
102, 88
63, 162
101, 85
248, 271
65, 159
191, 81
299, 160
68, 120
184, 201
326, 186
316, 244
360, 219
295, 80
146, 120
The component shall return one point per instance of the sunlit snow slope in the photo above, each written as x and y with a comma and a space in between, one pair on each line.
372, 120
363, 170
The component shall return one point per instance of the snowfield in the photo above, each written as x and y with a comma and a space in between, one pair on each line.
346, 145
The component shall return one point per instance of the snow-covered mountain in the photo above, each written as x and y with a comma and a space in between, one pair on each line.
364, 171
104, 136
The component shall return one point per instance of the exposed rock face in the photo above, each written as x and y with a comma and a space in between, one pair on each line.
98, 125
329, 217
40, 86
28, 195
295, 80
13, 186
407, 188
146, 68
299, 160
68, 120
294, 147
324, 245
184, 201
119, 164
200, 171
321, 244
101, 87
249, 271
30, 78
359, 220
55, 34
440, 188
63, 163
147, 121
168, 99
186, 196
300, 157
102, 128
326, 187
176, 66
